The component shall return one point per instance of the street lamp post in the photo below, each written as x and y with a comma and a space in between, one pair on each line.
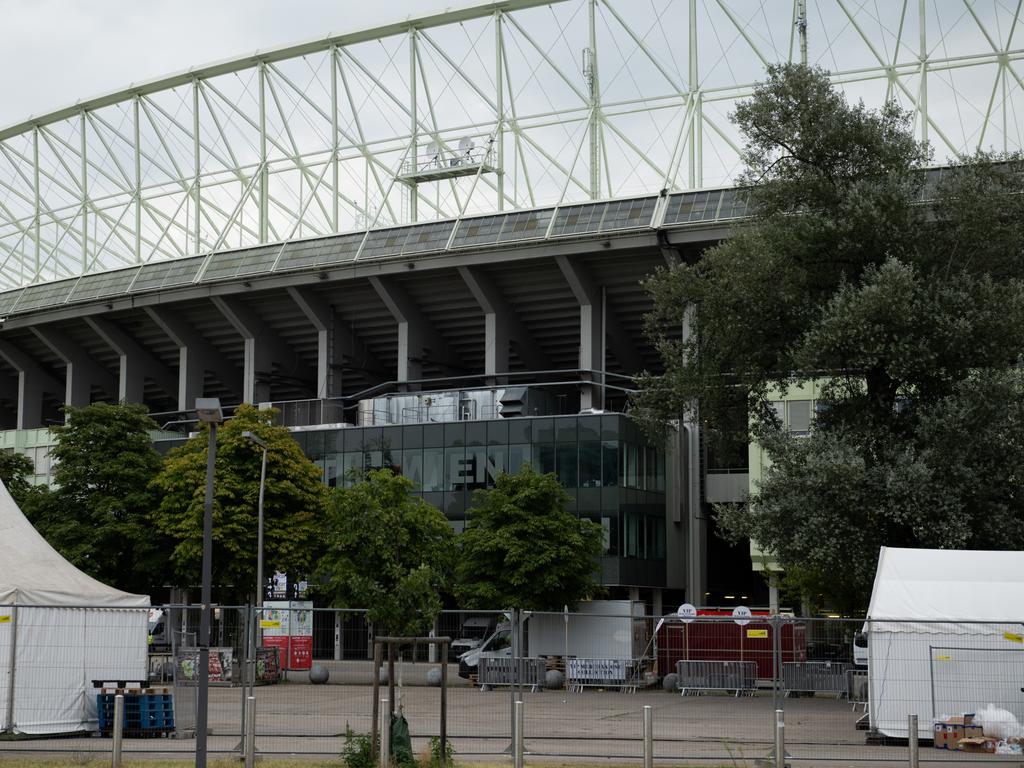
259, 530
208, 411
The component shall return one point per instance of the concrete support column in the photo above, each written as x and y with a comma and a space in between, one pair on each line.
196, 356
592, 331
81, 371
503, 328
418, 340
263, 349
136, 364
255, 388
331, 339
32, 382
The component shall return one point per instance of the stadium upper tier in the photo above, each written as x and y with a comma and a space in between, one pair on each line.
708, 212
511, 106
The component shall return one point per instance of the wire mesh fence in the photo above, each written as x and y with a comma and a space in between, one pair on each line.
845, 687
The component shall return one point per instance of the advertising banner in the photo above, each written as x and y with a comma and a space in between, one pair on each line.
288, 626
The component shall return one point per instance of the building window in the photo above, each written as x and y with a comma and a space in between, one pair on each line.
610, 463
799, 413
590, 464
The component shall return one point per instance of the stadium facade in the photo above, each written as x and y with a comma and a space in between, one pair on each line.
425, 242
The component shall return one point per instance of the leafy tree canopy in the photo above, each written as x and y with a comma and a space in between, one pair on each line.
388, 550
96, 516
294, 499
14, 471
903, 298
523, 549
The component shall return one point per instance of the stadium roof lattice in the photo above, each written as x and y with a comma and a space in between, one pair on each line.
485, 108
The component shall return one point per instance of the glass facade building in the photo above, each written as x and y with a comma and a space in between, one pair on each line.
612, 474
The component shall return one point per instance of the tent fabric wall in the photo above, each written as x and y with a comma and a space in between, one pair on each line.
60, 651
942, 636
60, 629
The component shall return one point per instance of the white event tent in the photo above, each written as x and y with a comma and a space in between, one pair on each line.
59, 630
945, 636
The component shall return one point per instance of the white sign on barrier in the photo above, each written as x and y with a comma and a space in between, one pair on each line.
598, 669
687, 613
741, 615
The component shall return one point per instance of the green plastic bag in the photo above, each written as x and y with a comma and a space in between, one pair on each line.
401, 743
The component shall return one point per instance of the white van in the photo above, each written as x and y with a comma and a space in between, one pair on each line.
474, 631
860, 649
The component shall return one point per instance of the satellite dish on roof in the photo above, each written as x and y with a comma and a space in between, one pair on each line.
432, 152
466, 145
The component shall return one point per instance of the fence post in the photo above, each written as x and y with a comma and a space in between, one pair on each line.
780, 740
118, 729
517, 751
777, 623
385, 733
648, 737
912, 740
250, 732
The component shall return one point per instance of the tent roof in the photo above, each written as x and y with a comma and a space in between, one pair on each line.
948, 584
34, 573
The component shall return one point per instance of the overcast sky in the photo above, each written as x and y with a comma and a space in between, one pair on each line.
55, 52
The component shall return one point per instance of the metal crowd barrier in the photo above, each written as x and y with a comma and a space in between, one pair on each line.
700, 676
624, 674
502, 670
815, 677
857, 688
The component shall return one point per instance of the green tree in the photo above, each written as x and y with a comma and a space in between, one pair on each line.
523, 549
387, 550
294, 499
96, 515
896, 294
14, 471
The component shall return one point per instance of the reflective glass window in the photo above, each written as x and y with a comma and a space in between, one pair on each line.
332, 470
352, 468
565, 430
590, 464
433, 469
610, 463
412, 467
566, 460
455, 469
497, 463
544, 456
610, 524
518, 455
589, 427
631, 534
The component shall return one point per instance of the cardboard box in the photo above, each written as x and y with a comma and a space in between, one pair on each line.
978, 744
948, 733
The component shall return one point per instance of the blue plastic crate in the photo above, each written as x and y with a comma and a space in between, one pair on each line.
147, 712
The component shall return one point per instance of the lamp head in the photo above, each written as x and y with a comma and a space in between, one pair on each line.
208, 410
248, 435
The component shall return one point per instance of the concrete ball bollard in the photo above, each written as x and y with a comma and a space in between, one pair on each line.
434, 677
553, 679
318, 675
670, 681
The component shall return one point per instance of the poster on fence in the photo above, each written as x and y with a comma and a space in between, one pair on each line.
268, 666
187, 665
288, 626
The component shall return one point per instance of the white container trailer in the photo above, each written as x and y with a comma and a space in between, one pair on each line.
599, 629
